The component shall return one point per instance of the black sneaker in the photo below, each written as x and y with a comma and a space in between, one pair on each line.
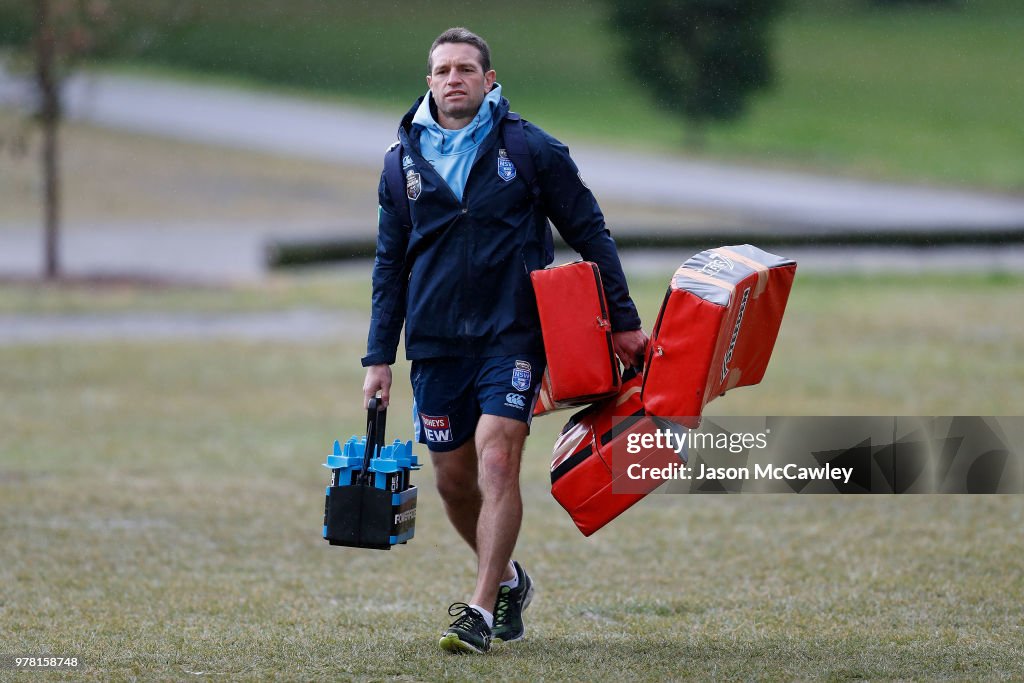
508, 609
469, 633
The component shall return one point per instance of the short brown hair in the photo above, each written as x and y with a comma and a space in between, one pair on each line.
458, 34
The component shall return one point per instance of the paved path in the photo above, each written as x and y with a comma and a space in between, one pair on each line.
345, 135
866, 260
342, 134
195, 253
299, 325
320, 326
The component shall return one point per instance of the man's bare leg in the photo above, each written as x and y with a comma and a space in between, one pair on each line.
499, 446
455, 474
457, 479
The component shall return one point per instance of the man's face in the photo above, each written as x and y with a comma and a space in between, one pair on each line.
458, 83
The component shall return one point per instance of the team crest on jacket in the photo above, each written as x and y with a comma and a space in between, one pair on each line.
506, 169
521, 376
412, 185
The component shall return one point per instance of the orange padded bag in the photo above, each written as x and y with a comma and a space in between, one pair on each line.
590, 463
716, 329
581, 363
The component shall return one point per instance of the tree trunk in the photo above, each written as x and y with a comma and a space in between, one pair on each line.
49, 116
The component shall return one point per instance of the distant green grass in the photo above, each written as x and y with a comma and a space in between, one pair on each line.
317, 288
160, 507
859, 345
896, 93
909, 93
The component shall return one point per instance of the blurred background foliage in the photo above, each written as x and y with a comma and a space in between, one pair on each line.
706, 56
928, 90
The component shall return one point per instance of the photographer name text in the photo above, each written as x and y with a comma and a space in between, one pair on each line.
768, 471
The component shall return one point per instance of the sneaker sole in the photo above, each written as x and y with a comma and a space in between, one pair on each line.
526, 603
450, 643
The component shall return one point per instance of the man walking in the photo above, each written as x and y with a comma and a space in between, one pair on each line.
456, 243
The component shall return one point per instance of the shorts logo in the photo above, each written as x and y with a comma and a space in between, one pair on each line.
515, 401
506, 169
438, 429
521, 376
412, 185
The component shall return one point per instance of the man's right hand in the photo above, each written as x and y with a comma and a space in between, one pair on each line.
378, 378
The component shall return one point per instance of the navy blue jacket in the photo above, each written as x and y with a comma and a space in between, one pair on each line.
459, 277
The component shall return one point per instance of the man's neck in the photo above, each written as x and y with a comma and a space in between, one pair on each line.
453, 124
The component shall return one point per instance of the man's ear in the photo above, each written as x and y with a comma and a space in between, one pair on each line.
428, 80
489, 78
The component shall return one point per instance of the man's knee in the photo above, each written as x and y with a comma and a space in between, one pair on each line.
455, 474
500, 464
458, 488
500, 447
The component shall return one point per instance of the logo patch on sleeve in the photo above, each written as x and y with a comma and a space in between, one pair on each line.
437, 429
506, 169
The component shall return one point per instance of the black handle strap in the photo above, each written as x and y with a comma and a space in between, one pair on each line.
376, 418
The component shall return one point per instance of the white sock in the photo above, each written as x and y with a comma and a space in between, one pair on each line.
512, 583
488, 617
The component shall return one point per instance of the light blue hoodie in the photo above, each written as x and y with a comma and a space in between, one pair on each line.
452, 152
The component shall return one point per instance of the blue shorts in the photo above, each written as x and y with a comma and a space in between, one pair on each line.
450, 395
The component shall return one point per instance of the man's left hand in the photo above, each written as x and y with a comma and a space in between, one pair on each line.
630, 346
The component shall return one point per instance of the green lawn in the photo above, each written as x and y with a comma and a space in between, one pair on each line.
860, 345
910, 93
896, 93
160, 510
277, 292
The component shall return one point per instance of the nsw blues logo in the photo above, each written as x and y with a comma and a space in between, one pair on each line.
412, 185
506, 169
521, 376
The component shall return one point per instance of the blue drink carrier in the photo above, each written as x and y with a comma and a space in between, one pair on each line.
371, 502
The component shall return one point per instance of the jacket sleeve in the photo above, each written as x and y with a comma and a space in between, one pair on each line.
390, 283
573, 210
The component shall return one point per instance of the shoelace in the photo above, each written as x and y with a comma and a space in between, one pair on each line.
467, 615
501, 608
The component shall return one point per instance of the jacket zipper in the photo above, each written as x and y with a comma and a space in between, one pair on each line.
463, 208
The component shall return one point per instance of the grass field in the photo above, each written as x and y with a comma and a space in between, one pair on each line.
909, 92
160, 507
160, 502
